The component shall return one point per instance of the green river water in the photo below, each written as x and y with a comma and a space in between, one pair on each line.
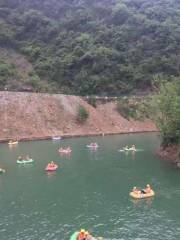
89, 190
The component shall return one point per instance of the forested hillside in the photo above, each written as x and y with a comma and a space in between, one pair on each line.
89, 46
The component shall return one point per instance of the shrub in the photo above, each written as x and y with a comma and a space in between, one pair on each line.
82, 114
165, 109
131, 109
34, 80
92, 102
7, 71
123, 108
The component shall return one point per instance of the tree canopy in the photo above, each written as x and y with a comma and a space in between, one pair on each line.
94, 47
165, 106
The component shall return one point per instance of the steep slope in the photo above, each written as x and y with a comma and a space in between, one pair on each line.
22, 69
17, 73
120, 124
12, 57
35, 116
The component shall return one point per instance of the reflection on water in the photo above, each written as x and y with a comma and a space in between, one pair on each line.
142, 202
50, 173
65, 154
12, 147
92, 150
131, 153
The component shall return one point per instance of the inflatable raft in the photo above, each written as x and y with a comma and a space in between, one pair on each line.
51, 168
92, 146
65, 151
142, 195
128, 149
24, 161
56, 138
2, 170
13, 143
74, 236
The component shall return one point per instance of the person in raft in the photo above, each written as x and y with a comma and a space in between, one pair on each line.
52, 164
85, 235
144, 191
136, 190
133, 147
81, 235
147, 189
20, 158
89, 236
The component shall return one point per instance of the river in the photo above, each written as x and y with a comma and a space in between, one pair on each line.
89, 190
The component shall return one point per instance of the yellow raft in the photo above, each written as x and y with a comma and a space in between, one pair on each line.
142, 195
12, 143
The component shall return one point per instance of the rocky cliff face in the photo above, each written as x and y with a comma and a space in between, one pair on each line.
171, 153
35, 116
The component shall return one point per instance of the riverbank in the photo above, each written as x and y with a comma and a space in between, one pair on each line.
170, 153
33, 116
25, 139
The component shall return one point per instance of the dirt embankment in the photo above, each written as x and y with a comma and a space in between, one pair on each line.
40, 116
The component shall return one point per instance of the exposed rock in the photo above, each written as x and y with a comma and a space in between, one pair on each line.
170, 153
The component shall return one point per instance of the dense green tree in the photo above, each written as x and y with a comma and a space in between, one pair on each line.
165, 106
90, 47
7, 72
